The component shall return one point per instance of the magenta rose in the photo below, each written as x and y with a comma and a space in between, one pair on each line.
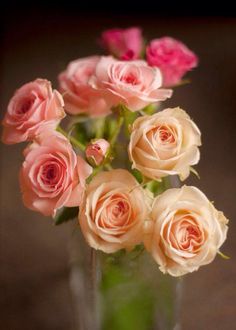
33, 105
78, 95
172, 57
52, 175
126, 44
133, 84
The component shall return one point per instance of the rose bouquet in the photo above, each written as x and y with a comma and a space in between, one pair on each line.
112, 163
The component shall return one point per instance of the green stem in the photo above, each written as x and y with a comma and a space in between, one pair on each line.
73, 140
108, 166
117, 131
99, 126
96, 170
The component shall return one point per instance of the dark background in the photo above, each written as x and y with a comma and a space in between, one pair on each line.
38, 41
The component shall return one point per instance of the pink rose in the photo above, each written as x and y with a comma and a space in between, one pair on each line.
133, 83
52, 174
113, 211
185, 231
172, 57
125, 44
96, 151
34, 105
80, 97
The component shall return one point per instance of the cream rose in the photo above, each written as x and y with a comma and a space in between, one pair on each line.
165, 143
113, 211
185, 231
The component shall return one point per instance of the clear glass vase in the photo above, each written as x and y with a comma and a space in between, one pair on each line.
122, 291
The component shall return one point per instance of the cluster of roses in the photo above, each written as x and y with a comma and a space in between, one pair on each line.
180, 227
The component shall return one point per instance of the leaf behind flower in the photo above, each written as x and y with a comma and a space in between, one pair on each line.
66, 214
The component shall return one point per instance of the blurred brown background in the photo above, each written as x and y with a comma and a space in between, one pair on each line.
33, 253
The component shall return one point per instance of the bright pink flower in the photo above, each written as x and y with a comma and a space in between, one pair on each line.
172, 57
34, 105
133, 83
79, 97
52, 175
96, 151
125, 44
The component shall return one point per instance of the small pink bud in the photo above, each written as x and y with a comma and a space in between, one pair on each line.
96, 151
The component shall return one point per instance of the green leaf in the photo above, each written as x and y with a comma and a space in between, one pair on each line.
66, 214
194, 172
138, 175
223, 255
158, 187
150, 109
80, 133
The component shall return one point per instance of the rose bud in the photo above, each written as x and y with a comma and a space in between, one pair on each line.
96, 151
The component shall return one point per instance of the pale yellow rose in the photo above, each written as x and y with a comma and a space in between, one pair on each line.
165, 143
113, 211
185, 230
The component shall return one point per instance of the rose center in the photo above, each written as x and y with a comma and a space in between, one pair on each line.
50, 174
119, 209
25, 106
165, 135
96, 147
192, 231
116, 213
191, 237
130, 79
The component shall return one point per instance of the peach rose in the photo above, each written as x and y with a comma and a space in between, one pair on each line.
132, 83
113, 211
96, 151
52, 174
33, 105
185, 231
165, 143
172, 57
80, 97
126, 44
